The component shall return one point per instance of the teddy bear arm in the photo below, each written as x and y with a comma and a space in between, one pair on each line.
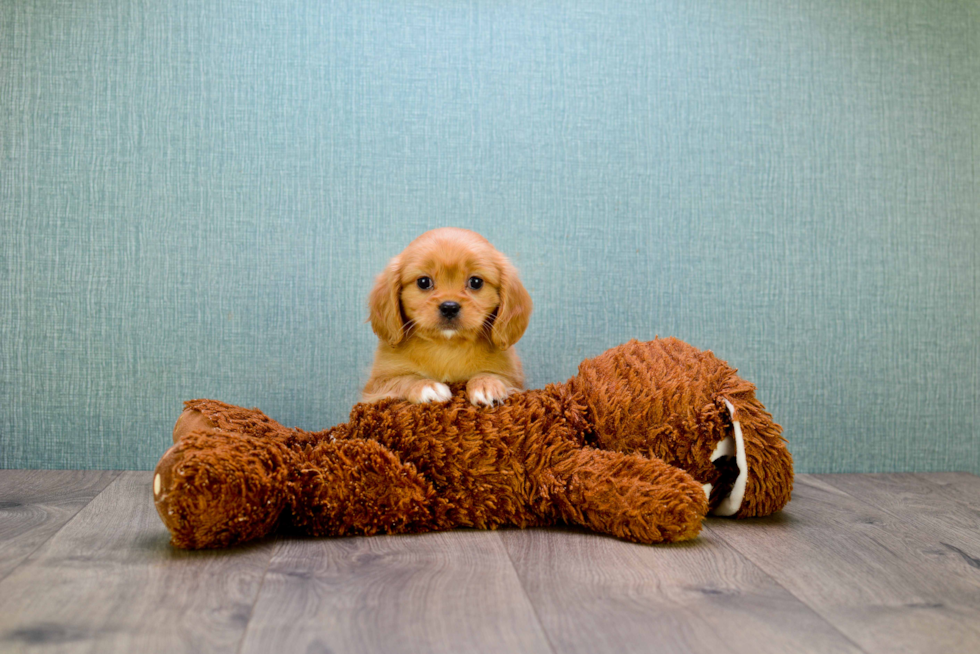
629, 496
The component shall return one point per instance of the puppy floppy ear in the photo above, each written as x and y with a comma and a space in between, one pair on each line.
514, 311
384, 304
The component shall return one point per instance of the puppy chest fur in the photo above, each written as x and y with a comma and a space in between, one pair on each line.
448, 361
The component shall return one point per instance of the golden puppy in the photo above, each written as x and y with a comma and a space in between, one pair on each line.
449, 308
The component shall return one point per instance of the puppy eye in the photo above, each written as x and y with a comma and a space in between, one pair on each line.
425, 283
474, 283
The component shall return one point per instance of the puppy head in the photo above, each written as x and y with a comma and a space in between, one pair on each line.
450, 283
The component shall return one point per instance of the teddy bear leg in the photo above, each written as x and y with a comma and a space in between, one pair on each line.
360, 487
215, 488
627, 495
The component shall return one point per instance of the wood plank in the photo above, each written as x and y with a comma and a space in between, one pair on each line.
110, 582
442, 592
887, 585
35, 504
921, 504
960, 486
598, 594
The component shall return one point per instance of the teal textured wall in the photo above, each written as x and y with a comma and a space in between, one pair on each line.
195, 196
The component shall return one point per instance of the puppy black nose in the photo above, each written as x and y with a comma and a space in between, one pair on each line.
449, 309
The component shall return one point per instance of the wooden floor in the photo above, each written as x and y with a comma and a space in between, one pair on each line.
856, 563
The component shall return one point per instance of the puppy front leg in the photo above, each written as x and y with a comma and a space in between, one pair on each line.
487, 389
414, 388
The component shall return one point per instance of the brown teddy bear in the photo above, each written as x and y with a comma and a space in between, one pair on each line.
639, 444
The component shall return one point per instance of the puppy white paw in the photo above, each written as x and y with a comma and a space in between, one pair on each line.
480, 398
486, 391
433, 392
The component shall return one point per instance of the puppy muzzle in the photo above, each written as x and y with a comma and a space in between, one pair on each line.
449, 310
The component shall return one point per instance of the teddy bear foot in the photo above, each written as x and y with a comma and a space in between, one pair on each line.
215, 488
189, 421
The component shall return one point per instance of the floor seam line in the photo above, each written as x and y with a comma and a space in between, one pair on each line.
258, 593
802, 601
27, 558
520, 581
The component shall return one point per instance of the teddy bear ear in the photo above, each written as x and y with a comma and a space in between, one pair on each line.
765, 467
384, 304
732, 446
514, 311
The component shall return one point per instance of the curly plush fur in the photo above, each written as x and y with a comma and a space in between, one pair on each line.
627, 447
